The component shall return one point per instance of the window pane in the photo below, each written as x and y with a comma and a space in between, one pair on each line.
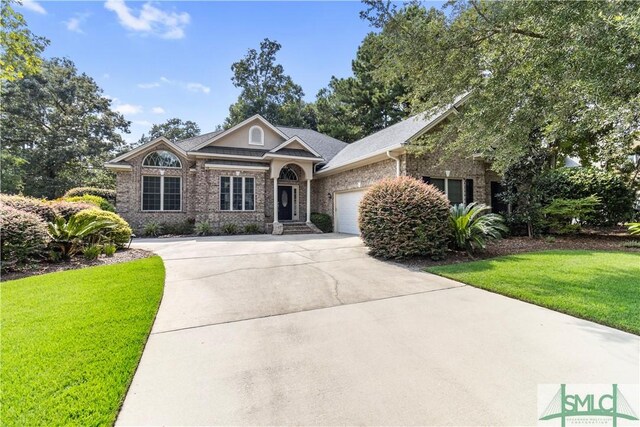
468, 190
162, 159
237, 193
150, 193
438, 183
225, 193
455, 191
171, 194
248, 194
256, 135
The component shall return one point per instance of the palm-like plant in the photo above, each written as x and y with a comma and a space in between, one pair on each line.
472, 226
634, 228
69, 236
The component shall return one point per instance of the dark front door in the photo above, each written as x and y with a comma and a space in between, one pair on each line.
285, 203
497, 204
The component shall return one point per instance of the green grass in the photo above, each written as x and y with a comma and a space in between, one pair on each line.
596, 285
71, 341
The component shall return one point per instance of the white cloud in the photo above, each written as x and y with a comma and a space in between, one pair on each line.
190, 86
34, 6
198, 87
150, 19
128, 109
148, 85
74, 23
157, 110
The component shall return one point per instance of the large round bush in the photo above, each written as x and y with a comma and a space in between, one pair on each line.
616, 197
67, 209
119, 235
97, 201
37, 207
23, 236
404, 217
105, 193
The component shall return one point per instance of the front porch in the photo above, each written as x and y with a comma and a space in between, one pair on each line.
291, 192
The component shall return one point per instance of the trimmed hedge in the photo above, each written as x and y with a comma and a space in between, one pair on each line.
38, 207
323, 221
105, 193
66, 209
97, 201
120, 235
23, 236
403, 217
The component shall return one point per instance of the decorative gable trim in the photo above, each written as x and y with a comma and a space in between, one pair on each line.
238, 126
299, 141
150, 144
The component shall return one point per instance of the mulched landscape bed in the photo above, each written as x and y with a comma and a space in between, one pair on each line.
609, 240
122, 255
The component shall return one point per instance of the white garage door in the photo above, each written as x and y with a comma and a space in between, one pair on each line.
347, 211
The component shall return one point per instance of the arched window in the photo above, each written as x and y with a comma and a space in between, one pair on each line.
256, 135
288, 174
162, 159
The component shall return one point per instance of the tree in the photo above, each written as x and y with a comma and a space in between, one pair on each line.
561, 75
20, 49
173, 129
267, 90
351, 108
60, 127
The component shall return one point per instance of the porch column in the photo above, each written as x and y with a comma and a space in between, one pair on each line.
275, 200
308, 200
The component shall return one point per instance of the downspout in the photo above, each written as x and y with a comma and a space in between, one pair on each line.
397, 159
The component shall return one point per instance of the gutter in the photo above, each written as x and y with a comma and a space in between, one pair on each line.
397, 159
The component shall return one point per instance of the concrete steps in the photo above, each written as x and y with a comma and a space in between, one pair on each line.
299, 228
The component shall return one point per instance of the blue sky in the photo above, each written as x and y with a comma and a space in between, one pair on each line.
158, 60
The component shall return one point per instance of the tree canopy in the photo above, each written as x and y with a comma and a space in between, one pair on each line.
563, 77
173, 129
20, 49
267, 90
57, 131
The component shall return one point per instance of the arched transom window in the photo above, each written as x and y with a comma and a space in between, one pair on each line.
288, 174
162, 159
256, 135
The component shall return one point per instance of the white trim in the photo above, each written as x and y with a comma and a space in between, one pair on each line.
149, 144
297, 139
234, 167
261, 135
231, 177
239, 125
230, 156
340, 167
162, 177
161, 167
118, 167
292, 171
270, 155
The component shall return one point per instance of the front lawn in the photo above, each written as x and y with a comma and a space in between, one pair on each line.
71, 341
596, 285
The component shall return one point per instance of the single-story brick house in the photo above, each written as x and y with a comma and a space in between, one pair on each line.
275, 176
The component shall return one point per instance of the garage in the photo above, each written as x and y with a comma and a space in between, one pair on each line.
346, 211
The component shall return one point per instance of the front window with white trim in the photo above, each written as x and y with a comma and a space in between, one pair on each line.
237, 193
256, 135
161, 193
162, 159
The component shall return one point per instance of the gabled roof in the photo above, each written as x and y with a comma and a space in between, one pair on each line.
326, 146
190, 143
161, 140
282, 147
392, 137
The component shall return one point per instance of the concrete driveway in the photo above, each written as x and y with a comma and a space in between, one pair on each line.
309, 330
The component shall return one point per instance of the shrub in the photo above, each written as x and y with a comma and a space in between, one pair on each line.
105, 193
92, 252
119, 235
177, 228
230, 229
67, 209
252, 229
97, 201
403, 217
29, 204
152, 229
323, 221
109, 249
631, 244
565, 216
70, 237
634, 228
616, 197
203, 228
472, 226
23, 236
